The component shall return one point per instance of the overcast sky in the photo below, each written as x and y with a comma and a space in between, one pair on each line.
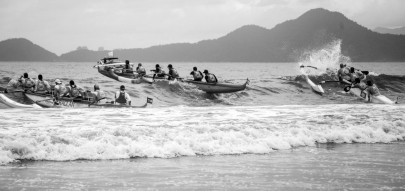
62, 25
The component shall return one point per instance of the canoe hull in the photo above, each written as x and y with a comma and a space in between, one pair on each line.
13, 104
125, 77
218, 87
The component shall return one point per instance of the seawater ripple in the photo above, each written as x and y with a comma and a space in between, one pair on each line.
92, 134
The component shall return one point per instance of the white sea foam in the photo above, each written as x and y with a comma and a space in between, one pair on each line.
57, 134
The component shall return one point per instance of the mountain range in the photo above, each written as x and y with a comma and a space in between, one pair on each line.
283, 43
383, 30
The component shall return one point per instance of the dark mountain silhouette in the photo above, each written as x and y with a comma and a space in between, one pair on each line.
382, 30
20, 49
284, 43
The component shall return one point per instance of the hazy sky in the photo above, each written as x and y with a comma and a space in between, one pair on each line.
62, 25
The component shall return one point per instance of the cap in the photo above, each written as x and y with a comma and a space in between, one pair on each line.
25, 75
96, 87
157, 65
194, 68
57, 81
126, 61
72, 82
342, 65
122, 87
169, 66
205, 71
139, 64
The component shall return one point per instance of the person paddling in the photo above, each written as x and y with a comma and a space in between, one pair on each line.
210, 78
197, 75
97, 94
158, 72
59, 90
42, 86
74, 91
122, 97
372, 90
344, 74
140, 70
354, 74
173, 74
28, 84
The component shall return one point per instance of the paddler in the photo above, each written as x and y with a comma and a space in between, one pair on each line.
74, 91
354, 74
28, 84
158, 71
59, 90
361, 85
210, 78
197, 75
140, 70
128, 68
122, 97
344, 74
42, 86
372, 90
173, 74
97, 94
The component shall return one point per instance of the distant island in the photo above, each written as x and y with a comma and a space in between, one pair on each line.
283, 43
383, 30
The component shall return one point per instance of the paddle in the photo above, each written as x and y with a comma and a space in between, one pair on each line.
328, 81
97, 100
302, 66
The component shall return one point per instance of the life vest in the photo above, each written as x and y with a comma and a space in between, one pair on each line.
373, 90
28, 83
140, 70
74, 91
197, 75
99, 95
41, 86
173, 72
210, 78
121, 98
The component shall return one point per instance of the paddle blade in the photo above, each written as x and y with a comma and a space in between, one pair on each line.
347, 88
365, 72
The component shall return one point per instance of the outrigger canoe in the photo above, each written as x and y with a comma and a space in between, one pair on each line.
374, 99
122, 76
47, 101
113, 68
218, 87
13, 104
315, 87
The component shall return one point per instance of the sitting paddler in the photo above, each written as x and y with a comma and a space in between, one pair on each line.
210, 78
122, 97
359, 84
158, 72
372, 90
14, 84
128, 68
97, 94
140, 70
173, 74
74, 91
27, 83
197, 75
354, 74
42, 86
344, 74
59, 90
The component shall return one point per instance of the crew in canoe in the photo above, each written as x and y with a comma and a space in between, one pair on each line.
27, 83
173, 74
197, 75
122, 97
128, 68
97, 94
140, 70
59, 90
74, 91
372, 90
158, 72
210, 78
344, 74
354, 74
42, 86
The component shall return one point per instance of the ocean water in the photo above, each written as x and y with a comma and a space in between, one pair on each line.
275, 135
